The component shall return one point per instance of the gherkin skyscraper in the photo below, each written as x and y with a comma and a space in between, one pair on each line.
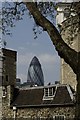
35, 74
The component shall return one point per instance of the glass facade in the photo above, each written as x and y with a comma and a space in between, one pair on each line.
35, 74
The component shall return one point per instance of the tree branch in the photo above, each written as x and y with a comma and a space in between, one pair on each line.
64, 51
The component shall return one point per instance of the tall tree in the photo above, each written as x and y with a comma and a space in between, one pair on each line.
62, 48
69, 55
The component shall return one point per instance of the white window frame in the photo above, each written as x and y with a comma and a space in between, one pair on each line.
48, 96
59, 116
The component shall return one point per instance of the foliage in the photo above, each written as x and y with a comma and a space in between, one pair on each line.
14, 11
47, 9
11, 12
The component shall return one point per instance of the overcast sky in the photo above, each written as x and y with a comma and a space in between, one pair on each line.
22, 40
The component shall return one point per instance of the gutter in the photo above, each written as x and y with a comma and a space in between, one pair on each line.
44, 105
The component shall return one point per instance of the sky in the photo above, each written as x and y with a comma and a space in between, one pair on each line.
22, 40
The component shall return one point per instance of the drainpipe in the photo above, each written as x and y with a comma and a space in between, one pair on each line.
14, 111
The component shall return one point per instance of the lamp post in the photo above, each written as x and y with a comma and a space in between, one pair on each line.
14, 111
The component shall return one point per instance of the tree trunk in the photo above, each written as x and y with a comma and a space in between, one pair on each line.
62, 48
77, 112
69, 55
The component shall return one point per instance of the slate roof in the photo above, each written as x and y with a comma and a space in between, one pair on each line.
32, 97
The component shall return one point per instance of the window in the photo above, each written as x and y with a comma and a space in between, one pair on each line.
66, 12
46, 91
46, 118
7, 78
49, 93
59, 117
4, 92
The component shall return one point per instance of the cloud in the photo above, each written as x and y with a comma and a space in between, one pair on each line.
24, 59
49, 63
29, 0
48, 58
43, 58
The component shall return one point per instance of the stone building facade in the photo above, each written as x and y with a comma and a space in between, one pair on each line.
7, 79
9, 67
31, 103
68, 21
45, 102
70, 33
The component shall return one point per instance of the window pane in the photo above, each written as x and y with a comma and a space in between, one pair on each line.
54, 90
46, 91
50, 91
6, 77
59, 117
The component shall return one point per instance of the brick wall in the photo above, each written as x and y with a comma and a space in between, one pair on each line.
9, 67
30, 113
45, 112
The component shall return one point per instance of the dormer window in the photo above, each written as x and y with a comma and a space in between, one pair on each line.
49, 93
